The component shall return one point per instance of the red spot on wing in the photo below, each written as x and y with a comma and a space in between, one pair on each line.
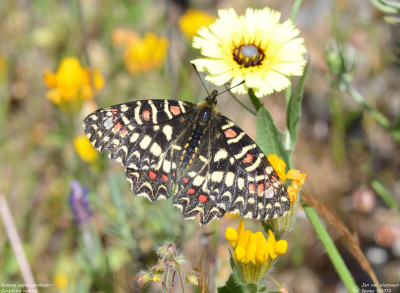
252, 187
191, 191
260, 188
202, 198
152, 175
267, 184
117, 126
229, 133
274, 179
249, 159
124, 132
114, 111
164, 177
115, 119
146, 115
173, 174
184, 179
175, 110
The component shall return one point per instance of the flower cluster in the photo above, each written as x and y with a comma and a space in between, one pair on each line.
72, 82
254, 255
141, 54
168, 260
255, 48
78, 201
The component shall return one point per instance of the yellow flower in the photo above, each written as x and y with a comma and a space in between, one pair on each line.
292, 194
279, 166
193, 20
145, 54
282, 225
85, 149
275, 248
72, 82
254, 47
254, 255
61, 281
297, 178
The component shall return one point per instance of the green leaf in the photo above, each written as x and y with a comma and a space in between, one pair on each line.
231, 286
268, 136
252, 288
384, 194
293, 112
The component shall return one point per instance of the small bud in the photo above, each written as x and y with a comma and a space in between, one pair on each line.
142, 279
192, 279
166, 251
341, 61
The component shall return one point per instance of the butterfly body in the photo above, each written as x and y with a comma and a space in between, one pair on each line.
192, 152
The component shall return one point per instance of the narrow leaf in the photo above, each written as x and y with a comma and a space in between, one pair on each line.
293, 110
381, 190
268, 136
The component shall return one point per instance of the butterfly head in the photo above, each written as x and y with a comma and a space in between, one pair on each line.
212, 98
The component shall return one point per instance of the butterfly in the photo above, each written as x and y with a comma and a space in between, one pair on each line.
191, 152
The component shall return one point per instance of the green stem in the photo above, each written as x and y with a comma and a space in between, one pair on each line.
256, 101
383, 6
181, 280
241, 104
331, 249
382, 120
295, 9
288, 138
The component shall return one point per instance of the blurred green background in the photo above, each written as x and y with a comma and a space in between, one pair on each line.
352, 163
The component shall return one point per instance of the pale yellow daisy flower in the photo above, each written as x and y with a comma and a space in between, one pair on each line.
254, 47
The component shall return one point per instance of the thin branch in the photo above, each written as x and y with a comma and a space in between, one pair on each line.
15, 241
241, 104
351, 240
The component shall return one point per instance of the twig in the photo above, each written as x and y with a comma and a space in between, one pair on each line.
352, 242
15, 241
243, 105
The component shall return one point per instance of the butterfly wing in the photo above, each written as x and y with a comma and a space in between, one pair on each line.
142, 136
249, 184
192, 196
230, 173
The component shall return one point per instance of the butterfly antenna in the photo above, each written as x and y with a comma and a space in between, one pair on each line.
201, 79
231, 88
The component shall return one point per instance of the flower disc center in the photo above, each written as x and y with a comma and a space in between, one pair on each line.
248, 55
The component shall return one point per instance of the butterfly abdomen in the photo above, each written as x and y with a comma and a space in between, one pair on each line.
192, 145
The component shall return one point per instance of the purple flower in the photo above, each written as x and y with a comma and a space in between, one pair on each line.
78, 201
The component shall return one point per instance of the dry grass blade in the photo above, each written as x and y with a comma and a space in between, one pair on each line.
351, 240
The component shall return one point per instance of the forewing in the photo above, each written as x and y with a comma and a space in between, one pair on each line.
141, 135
